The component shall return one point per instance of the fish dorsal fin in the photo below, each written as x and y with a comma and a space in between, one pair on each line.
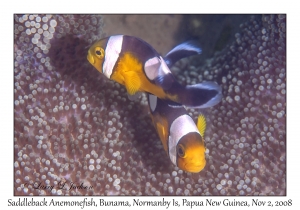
201, 124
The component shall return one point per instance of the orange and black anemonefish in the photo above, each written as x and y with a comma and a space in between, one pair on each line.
134, 63
181, 138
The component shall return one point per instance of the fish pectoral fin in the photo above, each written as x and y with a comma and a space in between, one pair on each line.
163, 135
161, 130
132, 82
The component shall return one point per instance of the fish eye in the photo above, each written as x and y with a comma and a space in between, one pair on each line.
99, 52
180, 150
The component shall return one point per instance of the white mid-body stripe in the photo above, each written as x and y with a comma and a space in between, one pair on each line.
152, 102
151, 68
156, 67
112, 51
179, 128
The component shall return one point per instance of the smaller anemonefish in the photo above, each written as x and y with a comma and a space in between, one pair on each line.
181, 138
134, 63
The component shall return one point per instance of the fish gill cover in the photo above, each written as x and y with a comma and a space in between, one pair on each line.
73, 126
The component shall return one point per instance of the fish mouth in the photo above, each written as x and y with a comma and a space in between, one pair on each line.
90, 58
194, 168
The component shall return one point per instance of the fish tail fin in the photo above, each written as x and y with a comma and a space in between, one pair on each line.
182, 50
202, 95
201, 124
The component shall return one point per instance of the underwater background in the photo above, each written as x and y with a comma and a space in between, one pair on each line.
72, 125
